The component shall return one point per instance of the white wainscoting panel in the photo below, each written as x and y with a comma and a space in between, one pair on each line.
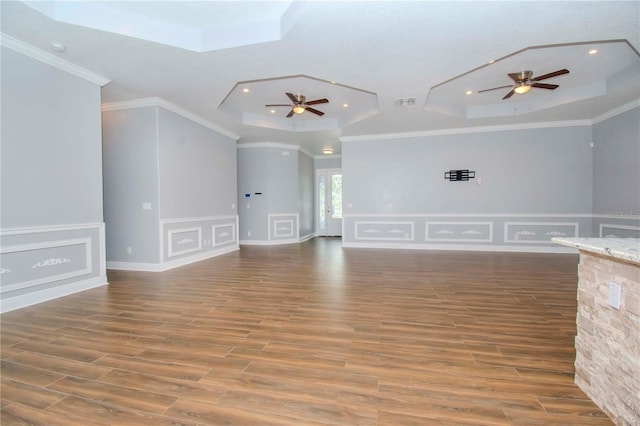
610, 230
538, 232
50, 261
184, 240
223, 234
459, 232
283, 227
383, 230
44, 263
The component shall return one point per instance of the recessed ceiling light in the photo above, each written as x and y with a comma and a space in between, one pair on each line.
58, 47
273, 111
245, 90
345, 105
593, 51
327, 151
469, 92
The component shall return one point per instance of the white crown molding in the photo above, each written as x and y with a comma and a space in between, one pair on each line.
155, 101
466, 130
275, 145
472, 215
52, 60
268, 145
325, 156
617, 111
305, 152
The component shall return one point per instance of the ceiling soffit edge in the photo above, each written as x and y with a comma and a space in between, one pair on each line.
52, 60
466, 130
117, 20
145, 102
617, 111
274, 145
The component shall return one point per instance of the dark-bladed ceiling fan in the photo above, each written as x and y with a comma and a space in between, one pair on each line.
524, 81
300, 105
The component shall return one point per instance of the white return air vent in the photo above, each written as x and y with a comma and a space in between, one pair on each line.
405, 102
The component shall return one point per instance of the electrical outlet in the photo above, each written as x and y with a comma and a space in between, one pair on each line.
129, 250
615, 291
248, 233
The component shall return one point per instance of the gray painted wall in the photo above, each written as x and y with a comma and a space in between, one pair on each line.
51, 174
306, 176
272, 171
616, 164
51, 157
524, 171
616, 176
130, 153
252, 178
197, 169
530, 185
183, 172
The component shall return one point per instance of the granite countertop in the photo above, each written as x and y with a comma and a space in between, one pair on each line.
620, 248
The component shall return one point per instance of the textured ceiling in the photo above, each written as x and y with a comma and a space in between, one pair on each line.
380, 51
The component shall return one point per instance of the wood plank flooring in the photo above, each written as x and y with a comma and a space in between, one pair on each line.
306, 334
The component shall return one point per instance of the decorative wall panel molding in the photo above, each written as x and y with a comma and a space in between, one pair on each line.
480, 232
191, 239
283, 226
224, 234
185, 240
538, 232
42, 263
384, 230
464, 231
609, 230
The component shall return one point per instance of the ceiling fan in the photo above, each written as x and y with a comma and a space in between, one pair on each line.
300, 105
523, 82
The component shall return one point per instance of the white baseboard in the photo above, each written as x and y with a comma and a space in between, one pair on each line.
197, 257
464, 247
22, 301
135, 266
306, 237
268, 242
165, 266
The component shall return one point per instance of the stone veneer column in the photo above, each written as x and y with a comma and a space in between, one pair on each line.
608, 340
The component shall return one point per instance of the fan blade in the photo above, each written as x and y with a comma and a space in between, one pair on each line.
551, 74
545, 86
510, 94
520, 76
495, 88
293, 98
317, 101
272, 105
290, 114
315, 111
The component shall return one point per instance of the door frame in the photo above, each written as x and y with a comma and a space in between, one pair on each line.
326, 173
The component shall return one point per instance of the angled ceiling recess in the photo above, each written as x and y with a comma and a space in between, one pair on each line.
193, 25
265, 103
594, 69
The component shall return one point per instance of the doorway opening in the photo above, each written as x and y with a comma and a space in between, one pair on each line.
329, 202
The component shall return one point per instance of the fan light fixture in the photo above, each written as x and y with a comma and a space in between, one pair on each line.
522, 88
298, 109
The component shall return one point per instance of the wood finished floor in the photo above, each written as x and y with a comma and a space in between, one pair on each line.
306, 334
